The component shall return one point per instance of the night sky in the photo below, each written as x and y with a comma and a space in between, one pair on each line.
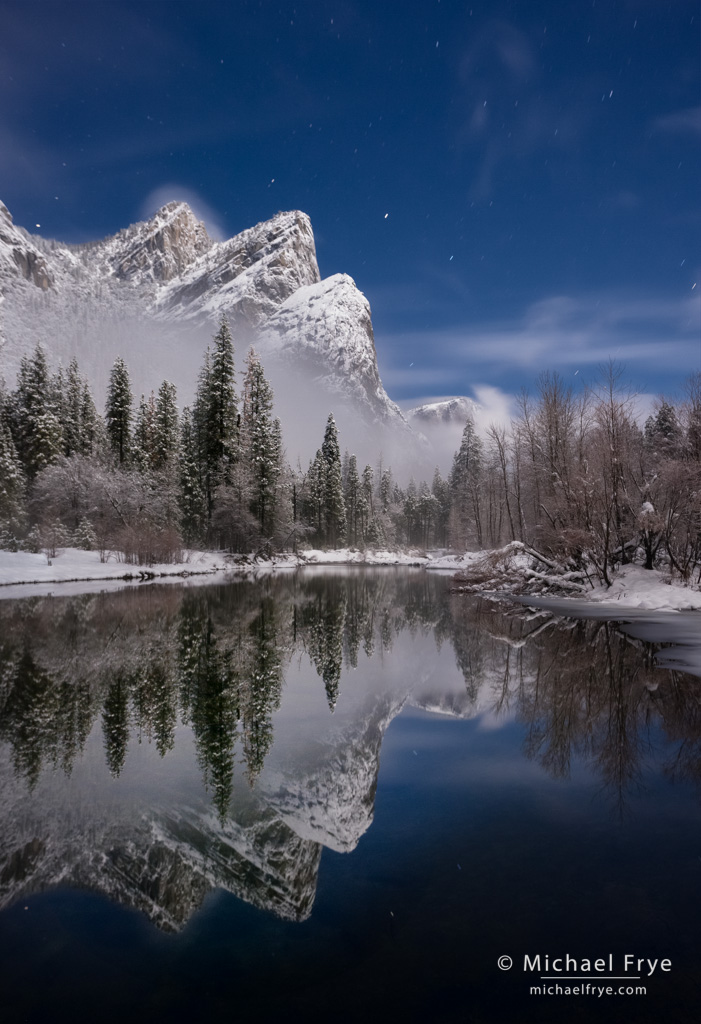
514, 186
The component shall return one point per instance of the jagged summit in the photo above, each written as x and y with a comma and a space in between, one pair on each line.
162, 247
154, 292
248, 276
173, 249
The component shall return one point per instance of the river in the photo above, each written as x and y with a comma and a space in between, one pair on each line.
345, 795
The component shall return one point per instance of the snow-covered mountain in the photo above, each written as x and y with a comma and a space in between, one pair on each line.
448, 410
442, 422
154, 293
247, 277
19, 257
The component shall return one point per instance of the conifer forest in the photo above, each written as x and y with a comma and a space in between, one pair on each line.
574, 476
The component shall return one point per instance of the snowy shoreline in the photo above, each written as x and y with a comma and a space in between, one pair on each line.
22, 572
23, 569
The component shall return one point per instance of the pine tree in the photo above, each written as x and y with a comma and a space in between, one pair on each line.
93, 437
260, 443
411, 512
314, 497
115, 723
58, 392
84, 535
440, 489
334, 505
427, 512
12, 484
366, 503
375, 537
72, 411
262, 694
83, 432
215, 415
324, 622
166, 434
143, 444
663, 434
357, 495
192, 500
386, 486
352, 498
38, 430
224, 411
692, 405
280, 506
368, 481
465, 482
118, 412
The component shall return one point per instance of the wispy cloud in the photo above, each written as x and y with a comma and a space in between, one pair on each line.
681, 122
648, 335
507, 114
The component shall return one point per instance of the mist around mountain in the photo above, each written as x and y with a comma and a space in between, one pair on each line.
572, 474
154, 294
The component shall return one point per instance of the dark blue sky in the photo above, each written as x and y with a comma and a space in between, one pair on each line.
514, 186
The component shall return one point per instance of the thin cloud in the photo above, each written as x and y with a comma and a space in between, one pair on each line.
682, 122
507, 115
558, 333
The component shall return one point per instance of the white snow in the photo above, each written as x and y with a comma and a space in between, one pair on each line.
73, 564
255, 271
152, 292
328, 326
635, 587
22, 571
446, 410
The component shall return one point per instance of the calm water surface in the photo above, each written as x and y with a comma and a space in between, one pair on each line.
342, 796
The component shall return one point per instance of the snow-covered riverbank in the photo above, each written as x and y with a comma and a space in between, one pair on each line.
635, 587
519, 571
73, 570
23, 569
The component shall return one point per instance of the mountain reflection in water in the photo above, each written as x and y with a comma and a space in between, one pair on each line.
160, 742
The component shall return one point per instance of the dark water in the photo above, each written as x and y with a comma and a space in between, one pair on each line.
343, 796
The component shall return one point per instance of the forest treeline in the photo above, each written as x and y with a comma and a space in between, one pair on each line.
576, 478
573, 476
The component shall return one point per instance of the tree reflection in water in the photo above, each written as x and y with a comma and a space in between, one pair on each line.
214, 658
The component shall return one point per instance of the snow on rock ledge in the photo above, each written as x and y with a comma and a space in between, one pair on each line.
327, 327
163, 247
450, 410
246, 277
19, 256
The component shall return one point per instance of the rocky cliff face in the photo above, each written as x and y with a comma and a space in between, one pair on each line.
161, 249
154, 293
333, 802
159, 859
449, 411
248, 277
19, 256
325, 329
